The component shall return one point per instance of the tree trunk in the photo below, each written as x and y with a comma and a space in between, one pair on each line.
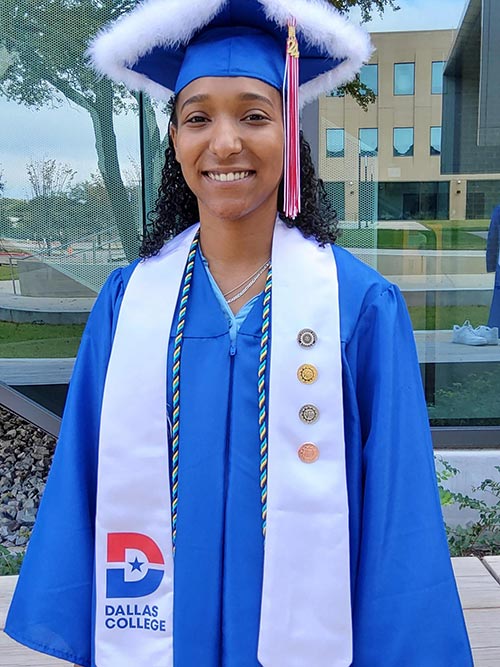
107, 159
154, 153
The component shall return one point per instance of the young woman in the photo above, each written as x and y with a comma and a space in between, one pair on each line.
245, 473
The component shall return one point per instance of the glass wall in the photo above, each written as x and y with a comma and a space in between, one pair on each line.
433, 219
76, 182
70, 195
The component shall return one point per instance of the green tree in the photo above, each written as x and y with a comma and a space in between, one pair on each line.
42, 46
363, 95
46, 41
92, 209
367, 7
50, 205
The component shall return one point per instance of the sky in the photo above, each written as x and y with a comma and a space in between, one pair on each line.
420, 15
66, 133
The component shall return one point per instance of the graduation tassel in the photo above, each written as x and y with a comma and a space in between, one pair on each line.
292, 146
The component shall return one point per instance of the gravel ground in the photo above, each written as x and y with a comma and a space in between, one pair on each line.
25, 457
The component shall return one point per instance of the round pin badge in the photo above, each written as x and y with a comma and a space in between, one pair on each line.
306, 338
308, 452
309, 414
307, 373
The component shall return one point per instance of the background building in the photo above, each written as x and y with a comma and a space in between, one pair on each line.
397, 141
471, 107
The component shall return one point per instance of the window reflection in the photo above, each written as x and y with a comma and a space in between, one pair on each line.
404, 79
403, 142
334, 142
423, 222
369, 77
435, 147
424, 228
368, 142
437, 77
70, 190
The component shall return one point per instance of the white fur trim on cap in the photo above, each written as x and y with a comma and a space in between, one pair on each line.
173, 22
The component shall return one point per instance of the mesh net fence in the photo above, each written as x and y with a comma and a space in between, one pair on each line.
70, 174
351, 180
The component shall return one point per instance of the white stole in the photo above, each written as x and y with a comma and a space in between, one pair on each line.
306, 612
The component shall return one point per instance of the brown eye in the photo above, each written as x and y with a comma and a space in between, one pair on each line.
255, 117
196, 119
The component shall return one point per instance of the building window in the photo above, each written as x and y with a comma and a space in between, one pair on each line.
403, 142
368, 141
415, 201
334, 143
437, 77
482, 197
435, 141
369, 77
404, 78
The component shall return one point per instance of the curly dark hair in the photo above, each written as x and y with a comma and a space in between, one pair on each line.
176, 208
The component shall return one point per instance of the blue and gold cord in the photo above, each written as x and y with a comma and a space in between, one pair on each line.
264, 355
181, 320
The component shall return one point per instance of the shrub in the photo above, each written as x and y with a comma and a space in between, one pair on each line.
10, 561
482, 536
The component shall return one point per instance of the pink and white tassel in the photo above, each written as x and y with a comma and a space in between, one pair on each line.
292, 143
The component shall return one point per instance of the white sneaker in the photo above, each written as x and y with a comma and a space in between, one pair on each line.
466, 335
490, 333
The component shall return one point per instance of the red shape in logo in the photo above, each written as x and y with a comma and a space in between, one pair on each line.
118, 542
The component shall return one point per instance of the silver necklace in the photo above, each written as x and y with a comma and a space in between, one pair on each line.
247, 283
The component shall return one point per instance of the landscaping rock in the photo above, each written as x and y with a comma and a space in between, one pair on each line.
25, 458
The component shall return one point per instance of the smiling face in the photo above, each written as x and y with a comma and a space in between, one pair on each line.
229, 143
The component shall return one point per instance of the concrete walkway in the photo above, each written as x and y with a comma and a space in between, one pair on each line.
444, 281
28, 372
50, 310
479, 587
478, 584
436, 347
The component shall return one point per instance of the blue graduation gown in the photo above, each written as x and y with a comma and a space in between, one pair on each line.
405, 605
493, 264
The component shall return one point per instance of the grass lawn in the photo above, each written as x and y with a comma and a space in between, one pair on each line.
466, 225
445, 317
33, 341
436, 238
6, 272
466, 395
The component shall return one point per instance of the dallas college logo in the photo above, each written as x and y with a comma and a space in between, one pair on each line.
134, 566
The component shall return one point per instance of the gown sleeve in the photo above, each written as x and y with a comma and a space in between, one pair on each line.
51, 610
406, 609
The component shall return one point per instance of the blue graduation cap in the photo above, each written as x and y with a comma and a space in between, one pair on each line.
163, 45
